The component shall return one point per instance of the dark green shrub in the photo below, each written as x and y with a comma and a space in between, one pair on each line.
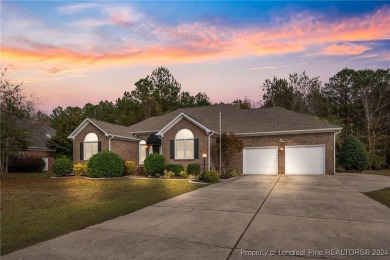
25, 164
62, 166
154, 163
193, 169
209, 176
353, 155
105, 164
175, 168
378, 162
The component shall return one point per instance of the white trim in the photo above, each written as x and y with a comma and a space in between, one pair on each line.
176, 120
81, 127
85, 123
259, 147
323, 130
139, 152
334, 151
208, 150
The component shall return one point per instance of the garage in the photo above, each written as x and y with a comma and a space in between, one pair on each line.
260, 160
305, 159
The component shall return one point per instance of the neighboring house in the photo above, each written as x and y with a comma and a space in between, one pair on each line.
38, 137
276, 140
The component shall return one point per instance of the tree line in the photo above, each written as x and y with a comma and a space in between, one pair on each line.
357, 100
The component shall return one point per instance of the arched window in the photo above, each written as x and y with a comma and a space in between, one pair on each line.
142, 151
91, 145
184, 140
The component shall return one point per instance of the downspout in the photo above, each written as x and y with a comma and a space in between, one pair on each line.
208, 150
109, 143
334, 151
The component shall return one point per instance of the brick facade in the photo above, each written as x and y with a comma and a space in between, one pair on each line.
128, 150
41, 153
301, 139
199, 134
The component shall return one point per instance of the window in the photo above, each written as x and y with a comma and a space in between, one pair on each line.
142, 151
184, 140
91, 145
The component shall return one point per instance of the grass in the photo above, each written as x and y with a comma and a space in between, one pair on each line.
35, 207
378, 172
382, 196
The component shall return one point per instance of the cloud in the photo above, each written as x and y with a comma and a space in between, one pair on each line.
277, 67
76, 8
136, 39
344, 49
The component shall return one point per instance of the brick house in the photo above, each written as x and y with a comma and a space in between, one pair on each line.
38, 137
276, 140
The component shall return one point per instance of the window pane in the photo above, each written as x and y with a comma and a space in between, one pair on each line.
94, 148
190, 154
180, 144
142, 153
179, 154
189, 144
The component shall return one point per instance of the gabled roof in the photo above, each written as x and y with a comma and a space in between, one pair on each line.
240, 121
116, 131
39, 135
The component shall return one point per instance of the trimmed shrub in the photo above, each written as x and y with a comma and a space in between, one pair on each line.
168, 175
62, 166
193, 169
175, 168
25, 164
183, 174
154, 163
80, 169
105, 164
233, 173
353, 155
130, 167
209, 176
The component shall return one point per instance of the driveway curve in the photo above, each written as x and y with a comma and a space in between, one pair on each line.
309, 217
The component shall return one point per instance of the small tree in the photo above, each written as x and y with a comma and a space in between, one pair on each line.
231, 146
353, 155
15, 114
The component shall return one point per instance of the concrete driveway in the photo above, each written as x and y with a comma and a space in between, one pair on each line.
315, 217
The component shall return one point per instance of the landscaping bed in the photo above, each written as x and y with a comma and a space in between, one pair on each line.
35, 207
378, 172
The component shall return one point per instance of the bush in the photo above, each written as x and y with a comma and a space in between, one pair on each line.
154, 163
209, 176
175, 168
193, 169
105, 164
183, 174
233, 173
130, 167
62, 166
353, 155
80, 169
25, 164
378, 162
168, 175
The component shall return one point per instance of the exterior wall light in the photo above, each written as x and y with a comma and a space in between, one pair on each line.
204, 162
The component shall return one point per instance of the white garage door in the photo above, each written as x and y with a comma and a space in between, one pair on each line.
261, 160
305, 159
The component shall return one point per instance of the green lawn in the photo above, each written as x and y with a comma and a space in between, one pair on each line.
382, 196
35, 207
378, 172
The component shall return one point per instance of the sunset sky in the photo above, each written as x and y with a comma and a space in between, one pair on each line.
71, 53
